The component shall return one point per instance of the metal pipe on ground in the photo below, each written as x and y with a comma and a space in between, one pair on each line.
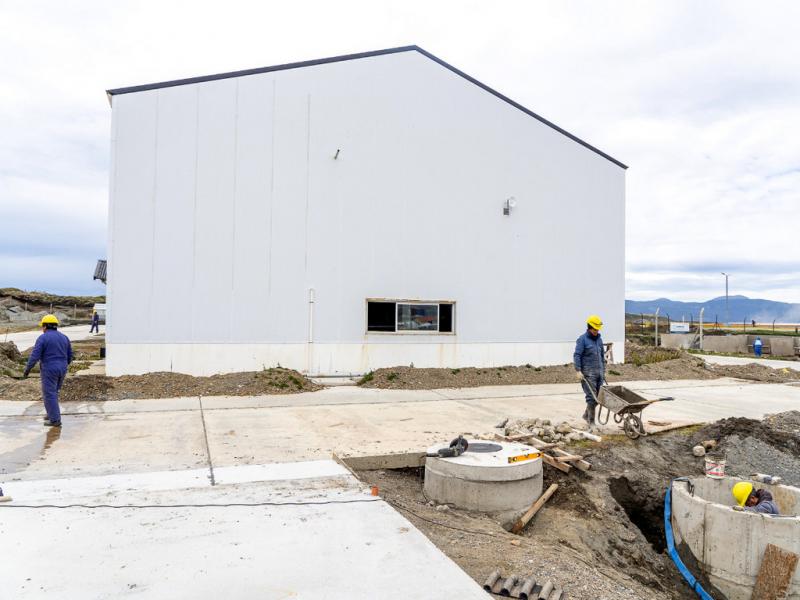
527, 588
509, 585
544, 594
491, 580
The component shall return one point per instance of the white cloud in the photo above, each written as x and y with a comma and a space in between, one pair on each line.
702, 100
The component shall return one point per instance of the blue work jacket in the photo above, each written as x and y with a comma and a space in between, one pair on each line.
589, 357
53, 350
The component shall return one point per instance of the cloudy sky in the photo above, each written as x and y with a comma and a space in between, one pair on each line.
701, 99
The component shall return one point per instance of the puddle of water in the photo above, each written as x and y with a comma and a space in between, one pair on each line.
20, 458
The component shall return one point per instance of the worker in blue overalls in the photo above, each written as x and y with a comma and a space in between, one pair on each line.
54, 352
757, 346
590, 364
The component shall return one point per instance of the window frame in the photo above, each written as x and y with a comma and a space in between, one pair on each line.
412, 301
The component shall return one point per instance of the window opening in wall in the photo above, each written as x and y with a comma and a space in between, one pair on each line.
381, 316
409, 317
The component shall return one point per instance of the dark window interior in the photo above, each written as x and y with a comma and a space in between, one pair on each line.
446, 318
380, 316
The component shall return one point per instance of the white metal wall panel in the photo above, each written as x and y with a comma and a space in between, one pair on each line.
132, 227
173, 239
213, 217
250, 313
287, 308
410, 208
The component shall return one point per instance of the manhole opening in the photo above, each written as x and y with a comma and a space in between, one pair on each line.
484, 447
645, 510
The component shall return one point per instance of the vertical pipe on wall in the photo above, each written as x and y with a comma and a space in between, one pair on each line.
310, 345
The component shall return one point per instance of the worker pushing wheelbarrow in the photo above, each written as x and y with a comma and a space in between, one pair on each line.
590, 367
626, 406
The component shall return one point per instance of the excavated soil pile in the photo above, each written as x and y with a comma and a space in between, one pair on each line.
642, 363
91, 388
11, 361
601, 535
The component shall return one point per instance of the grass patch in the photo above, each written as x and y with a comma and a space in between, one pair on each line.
366, 378
613, 372
392, 376
455, 371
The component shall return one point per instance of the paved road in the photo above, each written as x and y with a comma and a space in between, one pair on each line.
736, 360
26, 339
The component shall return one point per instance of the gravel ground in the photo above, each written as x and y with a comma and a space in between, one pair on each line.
750, 455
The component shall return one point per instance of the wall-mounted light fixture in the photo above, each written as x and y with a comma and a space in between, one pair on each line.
510, 203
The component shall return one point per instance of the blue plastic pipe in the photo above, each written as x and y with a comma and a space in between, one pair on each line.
673, 553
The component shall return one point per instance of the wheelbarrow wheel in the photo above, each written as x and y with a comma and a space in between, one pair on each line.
633, 426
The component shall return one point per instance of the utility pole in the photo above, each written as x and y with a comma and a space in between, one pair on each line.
702, 310
657, 311
727, 314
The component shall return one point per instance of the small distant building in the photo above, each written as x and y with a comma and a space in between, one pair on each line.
349, 213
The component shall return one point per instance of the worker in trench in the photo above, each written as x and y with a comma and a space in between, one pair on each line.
753, 500
590, 365
54, 353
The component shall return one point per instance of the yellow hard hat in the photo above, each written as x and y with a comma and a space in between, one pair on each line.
741, 491
48, 320
595, 322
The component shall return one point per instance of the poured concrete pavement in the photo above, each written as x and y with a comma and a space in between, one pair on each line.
26, 339
740, 360
145, 435
306, 530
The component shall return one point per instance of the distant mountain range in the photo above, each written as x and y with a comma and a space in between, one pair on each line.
741, 308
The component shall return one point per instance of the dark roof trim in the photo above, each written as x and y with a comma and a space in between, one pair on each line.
323, 61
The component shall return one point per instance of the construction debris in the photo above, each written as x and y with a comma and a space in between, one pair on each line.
531, 512
524, 588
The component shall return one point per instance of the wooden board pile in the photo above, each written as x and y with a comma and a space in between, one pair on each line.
552, 455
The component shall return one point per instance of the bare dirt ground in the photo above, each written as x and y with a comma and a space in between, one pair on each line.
642, 364
601, 535
98, 388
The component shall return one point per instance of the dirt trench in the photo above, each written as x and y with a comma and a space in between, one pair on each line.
601, 535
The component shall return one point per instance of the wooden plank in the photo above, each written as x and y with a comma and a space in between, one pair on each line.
578, 464
385, 461
531, 512
554, 463
567, 457
776, 572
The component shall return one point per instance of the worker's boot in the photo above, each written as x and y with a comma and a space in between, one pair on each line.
586, 415
590, 412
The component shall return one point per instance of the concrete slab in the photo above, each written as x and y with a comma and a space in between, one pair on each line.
101, 444
137, 435
308, 539
26, 339
738, 360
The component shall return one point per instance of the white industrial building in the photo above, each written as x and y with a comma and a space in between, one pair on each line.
350, 213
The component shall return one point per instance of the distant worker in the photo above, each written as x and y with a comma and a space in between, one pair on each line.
95, 322
758, 501
590, 364
754, 322
54, 352
757, 346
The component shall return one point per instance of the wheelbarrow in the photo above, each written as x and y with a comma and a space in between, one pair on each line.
626, 406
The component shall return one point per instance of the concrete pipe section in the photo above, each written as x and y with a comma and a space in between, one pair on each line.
729, 545
491, 477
